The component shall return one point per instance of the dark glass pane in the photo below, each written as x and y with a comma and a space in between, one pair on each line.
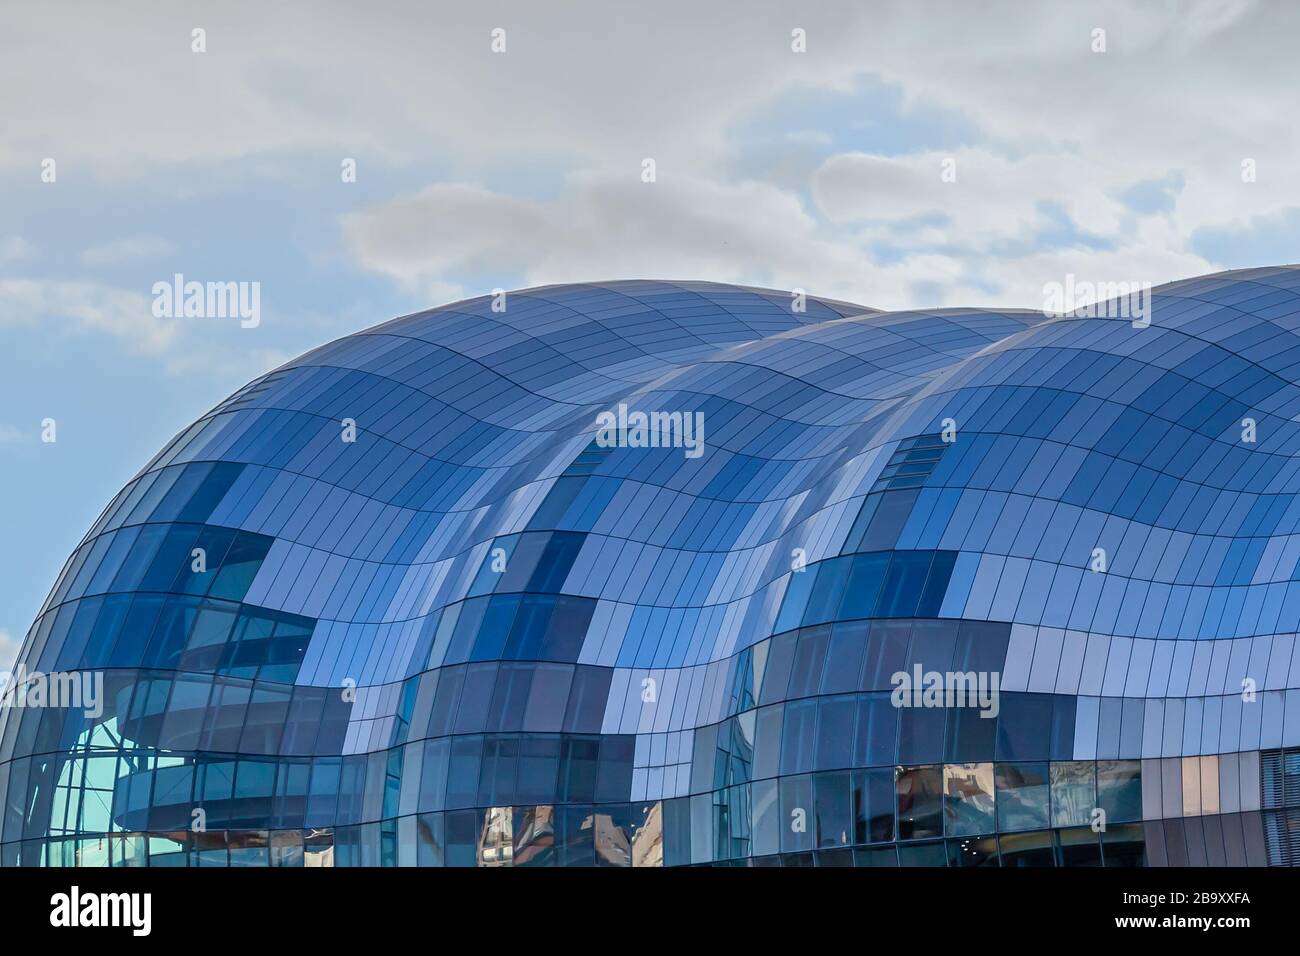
973, 851
920, 734
903, 583
799, 737
848, 645
1022, 796
837, 717
797, 825
1024, 726
873, 805
1119, 789
776, 672
828, 591
876, 736
886, 653
972, 735
809, 659
863, 587
1027, 849
1078, 846
920, 802
832, 793
923, 854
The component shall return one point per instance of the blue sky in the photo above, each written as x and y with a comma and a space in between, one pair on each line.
819, 170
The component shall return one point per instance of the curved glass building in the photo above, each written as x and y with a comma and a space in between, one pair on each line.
669, 573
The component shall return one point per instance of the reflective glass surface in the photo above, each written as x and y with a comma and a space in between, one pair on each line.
398, 602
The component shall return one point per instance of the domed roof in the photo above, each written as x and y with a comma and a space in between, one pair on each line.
644, 480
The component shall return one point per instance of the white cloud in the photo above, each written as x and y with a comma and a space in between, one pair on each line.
126, 249
9, 648
600, 84
988, 194
296, 76
586, 90
78, 306
604, 227
13, 248
1066, 132
600, 227
182, 347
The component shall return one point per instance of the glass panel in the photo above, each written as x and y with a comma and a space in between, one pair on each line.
799, 736
1079, 846
877, 731
1124, 845
1022, 795
873, 805
1119, 790
1074, 792
1024, 727
835, 722
863, 587
1027, 849
968, 798
972, 851
923, 854
796, 813
809, 659
920, 802
1191, 786
848, 644
903, 583
834, 819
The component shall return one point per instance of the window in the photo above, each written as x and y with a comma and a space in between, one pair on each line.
968, 799
1027, 849
1022, 796
1024, 726
809, 658
1078, 846
828, 591
797, 825
862, 590
1119, 790
973, 851
873, 805
877, 731
1074, 792
903, 584
832, 793
835, 721
799, 737
920, 802
848, 644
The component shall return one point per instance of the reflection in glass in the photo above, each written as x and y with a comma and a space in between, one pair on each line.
1022, 796
968, 798
1119, 789
1074, 794
973, 851
920, 802
1027, 849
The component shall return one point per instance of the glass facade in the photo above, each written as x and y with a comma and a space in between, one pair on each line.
951, 588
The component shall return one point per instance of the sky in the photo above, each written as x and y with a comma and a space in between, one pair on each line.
898, 155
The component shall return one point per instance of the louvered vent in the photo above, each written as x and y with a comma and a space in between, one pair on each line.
1279, 773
